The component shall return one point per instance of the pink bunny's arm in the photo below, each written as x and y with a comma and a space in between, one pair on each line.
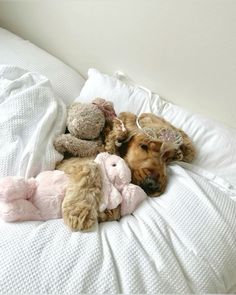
132, 195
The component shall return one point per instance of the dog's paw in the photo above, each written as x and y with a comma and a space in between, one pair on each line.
178, 155
110, 215
80, 219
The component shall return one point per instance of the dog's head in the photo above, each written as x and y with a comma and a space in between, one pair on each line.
146, 158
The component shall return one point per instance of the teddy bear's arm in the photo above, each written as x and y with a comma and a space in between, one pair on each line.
77, 147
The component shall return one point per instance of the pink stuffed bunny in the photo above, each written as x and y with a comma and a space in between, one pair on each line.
40, 198
117, 188
37, 198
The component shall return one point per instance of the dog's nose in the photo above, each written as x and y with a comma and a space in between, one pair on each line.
150, 185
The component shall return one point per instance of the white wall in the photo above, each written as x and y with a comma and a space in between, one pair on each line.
183, 49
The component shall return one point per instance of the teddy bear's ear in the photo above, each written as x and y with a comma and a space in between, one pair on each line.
106, 107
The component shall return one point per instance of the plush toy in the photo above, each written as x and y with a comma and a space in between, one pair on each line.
37, 198
117, 189
85, 123
41, 198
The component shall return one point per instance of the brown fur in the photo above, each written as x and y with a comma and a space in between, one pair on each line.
147, 159
114, 134
82, 198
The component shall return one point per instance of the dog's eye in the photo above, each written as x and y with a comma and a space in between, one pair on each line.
144, 147
114, 165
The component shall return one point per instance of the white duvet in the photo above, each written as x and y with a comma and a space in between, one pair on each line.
30, 117
181, 242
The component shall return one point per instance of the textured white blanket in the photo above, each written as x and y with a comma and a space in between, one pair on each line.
182, 242
30, 117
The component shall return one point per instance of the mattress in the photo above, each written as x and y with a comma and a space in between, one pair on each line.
181, 242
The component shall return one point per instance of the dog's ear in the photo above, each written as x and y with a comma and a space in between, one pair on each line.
169, 152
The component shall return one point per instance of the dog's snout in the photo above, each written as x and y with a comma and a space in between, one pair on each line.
150, 185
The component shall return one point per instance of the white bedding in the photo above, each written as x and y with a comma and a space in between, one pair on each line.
182, 242
30, 117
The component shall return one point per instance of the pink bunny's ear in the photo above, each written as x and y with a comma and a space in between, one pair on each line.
124, 172
111, 196
101, 157
115, 198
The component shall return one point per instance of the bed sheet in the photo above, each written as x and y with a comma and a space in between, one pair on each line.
182, 242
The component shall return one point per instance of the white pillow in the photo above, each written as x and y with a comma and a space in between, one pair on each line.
14, 50
215, 143
126, 97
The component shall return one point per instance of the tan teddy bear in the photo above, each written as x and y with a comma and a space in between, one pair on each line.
85, 123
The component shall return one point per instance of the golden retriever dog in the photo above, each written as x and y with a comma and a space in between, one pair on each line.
145, 151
